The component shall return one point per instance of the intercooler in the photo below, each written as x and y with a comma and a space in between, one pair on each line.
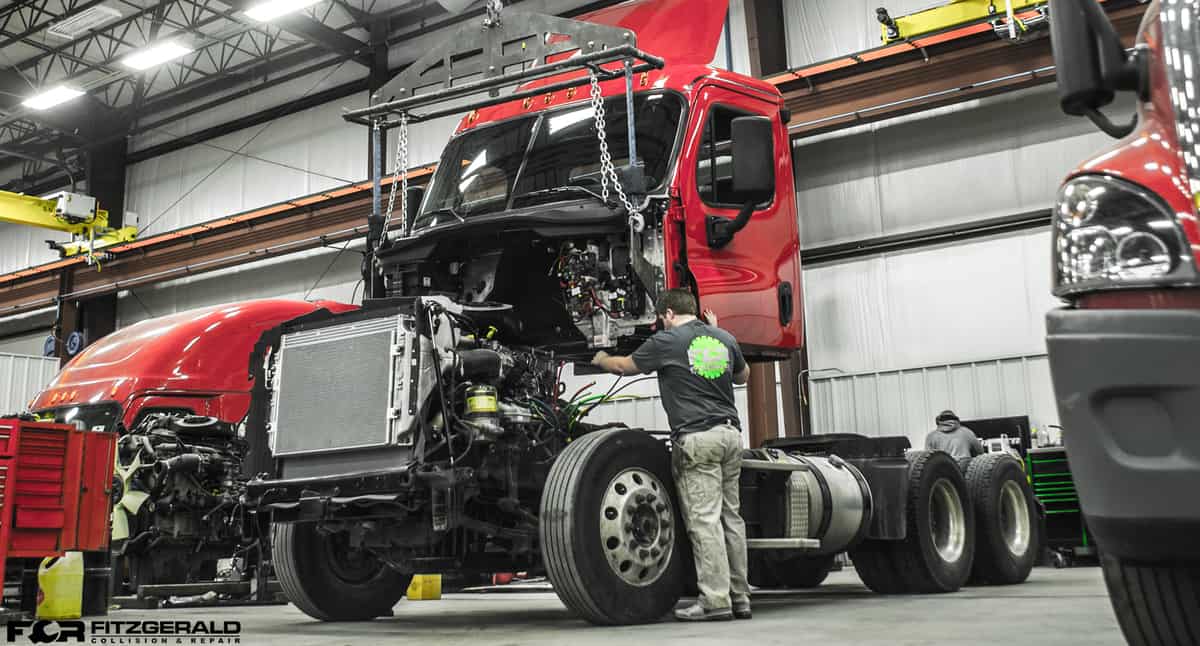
348, 386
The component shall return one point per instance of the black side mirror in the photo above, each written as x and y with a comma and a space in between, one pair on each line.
413, 205
753, 151
1091, 63
752, 148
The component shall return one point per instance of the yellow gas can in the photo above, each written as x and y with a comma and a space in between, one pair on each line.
60, 587
425, 587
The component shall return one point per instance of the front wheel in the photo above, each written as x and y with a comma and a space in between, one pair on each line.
611, 532
1155, 603
328, 579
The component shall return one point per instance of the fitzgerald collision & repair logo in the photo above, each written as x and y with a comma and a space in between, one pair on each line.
125, 633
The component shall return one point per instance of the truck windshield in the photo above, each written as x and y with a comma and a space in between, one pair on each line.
496, 168
95, 417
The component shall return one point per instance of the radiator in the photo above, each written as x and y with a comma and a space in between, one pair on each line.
347, 386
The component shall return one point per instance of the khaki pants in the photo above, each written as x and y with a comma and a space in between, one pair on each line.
706, 466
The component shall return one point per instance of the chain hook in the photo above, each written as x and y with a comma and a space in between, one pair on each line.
608, 172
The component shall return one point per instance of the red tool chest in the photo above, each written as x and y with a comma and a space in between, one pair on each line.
55, 482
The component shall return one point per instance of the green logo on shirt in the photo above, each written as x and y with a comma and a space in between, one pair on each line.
708, 357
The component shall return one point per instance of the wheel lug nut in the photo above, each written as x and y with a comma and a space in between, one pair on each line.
629, 529
640, 498
643, 554
651, 497
660, 507
655, 552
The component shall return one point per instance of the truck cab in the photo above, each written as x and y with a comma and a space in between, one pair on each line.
1124, 350
516, 211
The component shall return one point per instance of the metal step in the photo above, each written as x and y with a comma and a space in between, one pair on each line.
783, 544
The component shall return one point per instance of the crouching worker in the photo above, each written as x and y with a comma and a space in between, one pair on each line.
698, 365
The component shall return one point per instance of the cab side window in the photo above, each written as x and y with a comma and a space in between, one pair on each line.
714, 166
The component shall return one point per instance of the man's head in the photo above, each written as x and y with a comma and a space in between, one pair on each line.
946, 416
676, 307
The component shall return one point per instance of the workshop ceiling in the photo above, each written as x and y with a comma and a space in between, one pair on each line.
81, 44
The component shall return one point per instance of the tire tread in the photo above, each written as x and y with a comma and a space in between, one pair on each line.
1155, 603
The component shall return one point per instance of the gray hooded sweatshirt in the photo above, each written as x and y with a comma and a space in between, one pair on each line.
953, 438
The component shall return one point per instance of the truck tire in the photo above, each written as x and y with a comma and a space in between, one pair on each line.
611, 532
1155, 603
939, 545
329, 581
1006, 523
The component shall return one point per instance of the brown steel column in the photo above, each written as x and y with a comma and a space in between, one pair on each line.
792, 395
761, 400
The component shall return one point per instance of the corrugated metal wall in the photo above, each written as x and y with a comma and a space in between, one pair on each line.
22, 247
21, 377
292, 276
994, 157
934, 306
904, 402
28, 344
818, 30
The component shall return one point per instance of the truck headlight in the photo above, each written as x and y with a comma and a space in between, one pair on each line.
1113, 233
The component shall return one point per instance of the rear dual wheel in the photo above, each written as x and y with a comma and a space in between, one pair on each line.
1007, 540
939, 545
611, 532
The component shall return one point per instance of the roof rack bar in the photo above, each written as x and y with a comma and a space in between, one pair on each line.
618, 54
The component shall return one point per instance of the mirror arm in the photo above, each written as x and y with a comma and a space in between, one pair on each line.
1114, 130
720, 231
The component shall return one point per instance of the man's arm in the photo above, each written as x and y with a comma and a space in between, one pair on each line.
743, 376
616, 365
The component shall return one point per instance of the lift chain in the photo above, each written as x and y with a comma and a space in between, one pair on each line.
399, 176
607, 171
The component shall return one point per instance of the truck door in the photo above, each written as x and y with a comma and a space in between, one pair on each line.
753, 281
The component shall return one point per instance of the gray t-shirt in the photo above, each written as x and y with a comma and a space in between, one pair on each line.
695, 364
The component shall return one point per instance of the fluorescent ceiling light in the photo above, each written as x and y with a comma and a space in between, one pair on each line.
51, 97
155, 55
272, 9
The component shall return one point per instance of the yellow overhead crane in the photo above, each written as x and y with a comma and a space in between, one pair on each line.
72, 213
1008, 18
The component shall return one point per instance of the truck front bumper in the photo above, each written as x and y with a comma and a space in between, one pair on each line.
1128, 390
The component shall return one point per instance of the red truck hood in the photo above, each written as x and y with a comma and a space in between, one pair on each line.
199, 351
684, 33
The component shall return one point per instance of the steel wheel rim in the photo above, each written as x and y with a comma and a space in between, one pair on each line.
1014, 518
947, 522
637, 527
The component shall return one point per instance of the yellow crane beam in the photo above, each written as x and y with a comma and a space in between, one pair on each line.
952, 14
71, 213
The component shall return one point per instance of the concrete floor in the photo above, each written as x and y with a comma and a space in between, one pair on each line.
1053, 607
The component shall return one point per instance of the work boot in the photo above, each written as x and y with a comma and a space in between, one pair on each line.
741, 608
697, 612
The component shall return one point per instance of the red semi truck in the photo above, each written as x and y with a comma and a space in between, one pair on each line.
1124, 351
428, 431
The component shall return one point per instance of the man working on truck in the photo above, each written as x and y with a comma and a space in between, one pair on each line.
952, 437
698, 365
